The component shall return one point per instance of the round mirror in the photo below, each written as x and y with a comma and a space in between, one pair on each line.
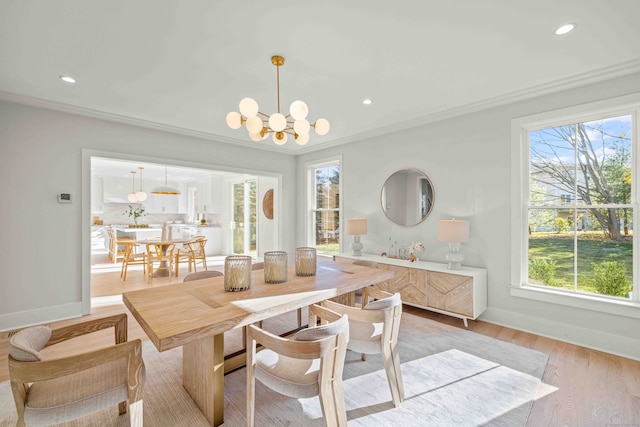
407, 197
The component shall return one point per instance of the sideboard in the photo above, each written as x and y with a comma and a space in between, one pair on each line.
432, 286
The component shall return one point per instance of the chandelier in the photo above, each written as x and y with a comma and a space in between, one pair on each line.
260, 125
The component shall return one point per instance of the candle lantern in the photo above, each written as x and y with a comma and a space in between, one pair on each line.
305, 261
275, 267
237, 273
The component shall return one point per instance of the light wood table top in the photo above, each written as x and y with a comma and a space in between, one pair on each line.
174, 315
196, 314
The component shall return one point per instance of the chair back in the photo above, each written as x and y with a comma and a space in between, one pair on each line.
129, 249
290, 365
374, 329
160, 252
45, 390
197, 247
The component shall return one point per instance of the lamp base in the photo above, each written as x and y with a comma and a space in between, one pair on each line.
356, 246
454, 257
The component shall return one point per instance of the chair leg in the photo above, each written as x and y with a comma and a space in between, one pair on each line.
398, 371
251, 384
391, 370
327, 403
339, 405
136, 411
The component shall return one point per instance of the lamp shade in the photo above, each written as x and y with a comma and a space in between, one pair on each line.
453, 230
355, 226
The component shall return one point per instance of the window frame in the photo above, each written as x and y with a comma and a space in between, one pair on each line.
520, 128
310, 208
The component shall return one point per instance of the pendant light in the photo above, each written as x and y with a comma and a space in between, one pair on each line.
141, 196
132, 196
165, 189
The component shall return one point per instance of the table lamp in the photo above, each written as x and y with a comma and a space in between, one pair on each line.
356, 227
453, 231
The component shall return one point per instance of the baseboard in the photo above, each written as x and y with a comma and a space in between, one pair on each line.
596, 340
21, 319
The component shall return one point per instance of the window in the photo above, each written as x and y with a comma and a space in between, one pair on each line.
325, 209
575, 224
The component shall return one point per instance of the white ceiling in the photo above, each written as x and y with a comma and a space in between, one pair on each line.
183, 66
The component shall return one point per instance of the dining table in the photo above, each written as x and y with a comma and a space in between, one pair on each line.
195, 315
162, 270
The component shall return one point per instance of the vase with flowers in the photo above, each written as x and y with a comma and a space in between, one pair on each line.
415, 246
135, 213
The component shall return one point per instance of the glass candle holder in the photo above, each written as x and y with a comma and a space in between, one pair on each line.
305, 261
237, 273
275, 267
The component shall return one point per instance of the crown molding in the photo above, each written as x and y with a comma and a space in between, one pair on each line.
118, 118
583, 79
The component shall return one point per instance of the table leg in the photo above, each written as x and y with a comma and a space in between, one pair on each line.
203, 375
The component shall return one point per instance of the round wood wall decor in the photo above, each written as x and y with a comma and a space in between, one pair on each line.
267, 204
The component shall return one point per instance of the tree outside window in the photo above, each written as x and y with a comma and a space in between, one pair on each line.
580, 207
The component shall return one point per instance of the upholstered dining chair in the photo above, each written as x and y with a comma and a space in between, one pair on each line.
202, 275
308, 364
52, 390
159, 257
132, 258
374, 329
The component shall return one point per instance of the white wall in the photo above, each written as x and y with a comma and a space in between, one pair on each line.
43, 153
468, 161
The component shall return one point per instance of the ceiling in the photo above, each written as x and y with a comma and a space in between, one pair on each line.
182, 66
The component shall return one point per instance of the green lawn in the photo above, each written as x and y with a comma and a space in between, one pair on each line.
559, 248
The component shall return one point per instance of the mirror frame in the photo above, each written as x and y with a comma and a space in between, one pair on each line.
422, 176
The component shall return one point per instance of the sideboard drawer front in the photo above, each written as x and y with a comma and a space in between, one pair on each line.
399, 281
450, 292
411, 283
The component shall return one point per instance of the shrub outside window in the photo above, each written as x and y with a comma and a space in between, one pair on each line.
581, 205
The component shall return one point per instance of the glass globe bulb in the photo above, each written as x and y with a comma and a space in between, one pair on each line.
248, 107
132, 197
255, 137
302, 139
234, 120
141, 196
301, 127
279, 138
277, 122
254, 124
322, 126
298, 110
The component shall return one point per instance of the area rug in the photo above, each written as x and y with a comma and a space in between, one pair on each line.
451, 376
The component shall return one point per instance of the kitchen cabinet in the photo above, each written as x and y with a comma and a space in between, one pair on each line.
431, 286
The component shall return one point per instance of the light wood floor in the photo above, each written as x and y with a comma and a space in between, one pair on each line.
581, 387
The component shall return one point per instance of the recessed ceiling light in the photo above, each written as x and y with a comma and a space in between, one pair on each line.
564, 29
367, 101
68, 79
